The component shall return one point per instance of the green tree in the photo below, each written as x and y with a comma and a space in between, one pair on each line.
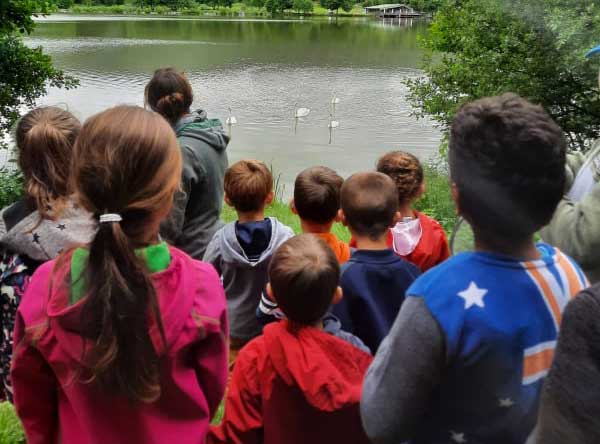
303, 6
277, 6
335, 5
535, 48
25, 73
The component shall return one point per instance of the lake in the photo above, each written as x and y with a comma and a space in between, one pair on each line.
262, 70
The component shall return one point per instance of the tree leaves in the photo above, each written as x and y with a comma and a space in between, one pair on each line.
535, 48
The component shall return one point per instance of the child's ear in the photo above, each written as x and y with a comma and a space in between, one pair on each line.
269, 198
456, 197
227, 200
337, 296
293, 207
422, 190
338, 217
269, 291
341, 217
397, 218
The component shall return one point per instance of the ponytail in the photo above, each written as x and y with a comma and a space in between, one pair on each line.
45, 139
132, 170
169, 93
116, 315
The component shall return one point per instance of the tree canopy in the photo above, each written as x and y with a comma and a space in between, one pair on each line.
25, 73
535, 48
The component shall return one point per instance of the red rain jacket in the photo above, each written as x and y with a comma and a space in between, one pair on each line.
294, 388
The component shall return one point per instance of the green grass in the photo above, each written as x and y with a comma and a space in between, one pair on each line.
11, 431
284, 214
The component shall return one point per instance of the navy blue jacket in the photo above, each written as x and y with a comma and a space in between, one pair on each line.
374, 284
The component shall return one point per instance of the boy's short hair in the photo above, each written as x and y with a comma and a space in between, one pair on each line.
304, 274
406, 171
317, 194
507, 159
370, 202
247, 185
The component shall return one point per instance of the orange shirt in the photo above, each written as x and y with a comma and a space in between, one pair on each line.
341, 249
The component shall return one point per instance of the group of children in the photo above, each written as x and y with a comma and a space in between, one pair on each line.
122, 338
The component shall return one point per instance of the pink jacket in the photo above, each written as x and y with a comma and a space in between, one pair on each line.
56, 406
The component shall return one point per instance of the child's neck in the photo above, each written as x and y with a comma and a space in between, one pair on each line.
367, 243
315, 228
251, 216
524, 250
406, 211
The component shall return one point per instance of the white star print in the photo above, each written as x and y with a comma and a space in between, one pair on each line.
506, 402
458, 437
473, 296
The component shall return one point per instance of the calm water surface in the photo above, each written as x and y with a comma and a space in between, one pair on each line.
262, 70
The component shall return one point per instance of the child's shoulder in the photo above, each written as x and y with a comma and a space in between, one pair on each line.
281, 227
448, 275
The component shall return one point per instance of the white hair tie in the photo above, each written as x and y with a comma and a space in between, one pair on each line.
110, 217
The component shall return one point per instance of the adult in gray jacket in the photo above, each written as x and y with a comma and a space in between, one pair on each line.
196, 210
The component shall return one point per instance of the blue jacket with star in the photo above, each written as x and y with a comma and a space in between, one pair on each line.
500, 319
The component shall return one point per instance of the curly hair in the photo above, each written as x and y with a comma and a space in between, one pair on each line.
507, 160
406, 171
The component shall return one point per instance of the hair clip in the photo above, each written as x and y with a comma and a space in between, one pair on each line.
110, 217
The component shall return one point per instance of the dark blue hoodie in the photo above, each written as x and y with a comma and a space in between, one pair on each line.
374, 283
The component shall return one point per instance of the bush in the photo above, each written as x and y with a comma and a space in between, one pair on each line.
11, 431
11, 189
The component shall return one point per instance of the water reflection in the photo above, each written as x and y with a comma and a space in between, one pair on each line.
259, 69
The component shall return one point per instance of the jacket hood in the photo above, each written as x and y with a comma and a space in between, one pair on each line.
406, 236
327, 370
198, 126
45, 239
233, 252
177, 282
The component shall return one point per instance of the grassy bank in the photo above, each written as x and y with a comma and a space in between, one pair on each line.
236, 10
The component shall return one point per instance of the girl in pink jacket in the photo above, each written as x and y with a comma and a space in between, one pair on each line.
122, 341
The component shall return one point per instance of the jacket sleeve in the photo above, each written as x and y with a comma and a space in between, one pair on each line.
575, 228
191, 175
212, 361
243, 420
212, 255
406, 369
574, 163
35, 389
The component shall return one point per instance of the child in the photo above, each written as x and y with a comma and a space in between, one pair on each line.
417, 238
196, 212
297, 384
476, 335
241, 251
122, 340
43, 223
375, 279
317, 202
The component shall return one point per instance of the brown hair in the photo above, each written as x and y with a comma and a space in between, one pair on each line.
304, 274
45, 139
406, 172
133, 170
507, 159
169, 93
247, 185
369, 201
317, 194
